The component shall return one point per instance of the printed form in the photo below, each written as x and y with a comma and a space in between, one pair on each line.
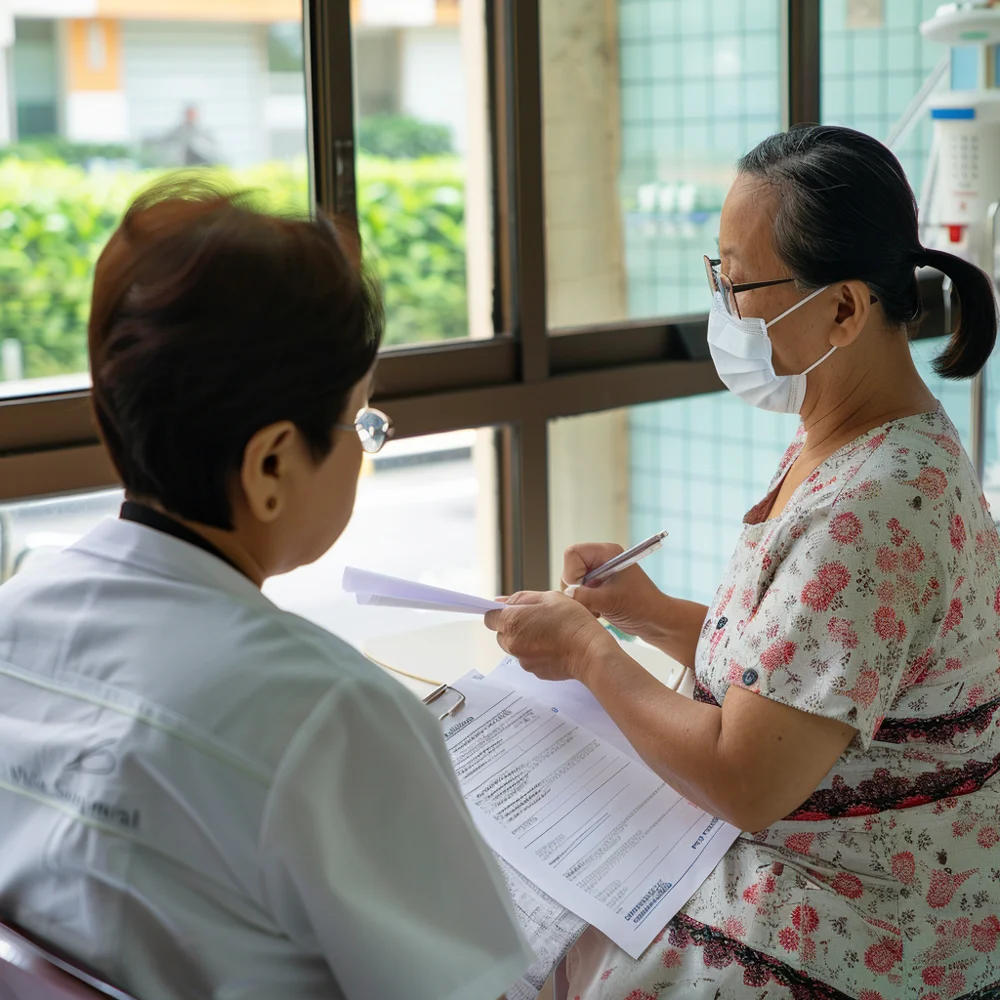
550, 928
584, 822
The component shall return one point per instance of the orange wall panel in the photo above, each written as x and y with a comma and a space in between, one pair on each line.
264, 11
446, 12
449, 12
261, 11
95, 55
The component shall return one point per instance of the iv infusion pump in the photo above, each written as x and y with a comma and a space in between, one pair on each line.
963, 185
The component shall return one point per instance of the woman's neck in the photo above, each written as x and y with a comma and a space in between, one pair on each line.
228, 543
883, 389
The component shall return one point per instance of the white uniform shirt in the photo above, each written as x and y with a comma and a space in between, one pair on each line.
204, 796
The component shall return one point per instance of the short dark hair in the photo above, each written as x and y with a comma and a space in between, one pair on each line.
846, 210
211, 319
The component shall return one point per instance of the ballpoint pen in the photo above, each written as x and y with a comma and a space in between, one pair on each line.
625, 559
621, 561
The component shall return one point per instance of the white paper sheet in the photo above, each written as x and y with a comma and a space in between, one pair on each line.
550, 928
572, 697
589, 825
390, 591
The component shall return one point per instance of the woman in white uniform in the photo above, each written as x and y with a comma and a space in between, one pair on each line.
203, 795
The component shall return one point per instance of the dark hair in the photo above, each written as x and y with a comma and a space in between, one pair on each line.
210, 320
846, 210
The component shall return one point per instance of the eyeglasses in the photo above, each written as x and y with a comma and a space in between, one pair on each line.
372, 426
720, 282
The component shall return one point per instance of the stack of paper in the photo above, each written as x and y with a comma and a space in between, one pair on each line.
390, 591
585, 831
580, 817
551, 930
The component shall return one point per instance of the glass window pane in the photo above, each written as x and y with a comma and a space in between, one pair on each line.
423, 187
873, 61
692, 467
426, 510
101, 108
954, 396
32, 531
647, 106
991, 432
35, 75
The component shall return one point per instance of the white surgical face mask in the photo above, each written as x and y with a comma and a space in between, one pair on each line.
741, 350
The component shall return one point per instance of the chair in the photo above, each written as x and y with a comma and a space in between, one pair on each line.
29, 971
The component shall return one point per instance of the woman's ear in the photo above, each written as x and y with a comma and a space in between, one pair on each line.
853, 311
268, 464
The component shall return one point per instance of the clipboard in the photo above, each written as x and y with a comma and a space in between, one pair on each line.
439, 692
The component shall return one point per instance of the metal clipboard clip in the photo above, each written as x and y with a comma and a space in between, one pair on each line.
439, 692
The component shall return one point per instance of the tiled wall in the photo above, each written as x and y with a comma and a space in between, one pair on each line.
869, 75
698, 465
700, 87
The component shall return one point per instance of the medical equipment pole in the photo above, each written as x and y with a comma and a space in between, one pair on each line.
977, 390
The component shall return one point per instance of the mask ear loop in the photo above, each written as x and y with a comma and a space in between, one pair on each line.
816, 364
808, 298
797, 305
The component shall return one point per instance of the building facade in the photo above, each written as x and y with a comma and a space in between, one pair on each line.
137, 72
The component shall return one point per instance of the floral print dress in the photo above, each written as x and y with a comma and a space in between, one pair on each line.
872, 598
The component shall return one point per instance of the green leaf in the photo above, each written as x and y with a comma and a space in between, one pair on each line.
55, 218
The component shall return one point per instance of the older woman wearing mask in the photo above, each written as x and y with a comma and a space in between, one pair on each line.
847, 684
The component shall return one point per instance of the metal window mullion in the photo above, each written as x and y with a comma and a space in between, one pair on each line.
517, 114
801, 31
979, 387
420, 376
330, 105
532, 445
522, 109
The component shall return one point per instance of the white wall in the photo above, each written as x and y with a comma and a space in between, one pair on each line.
588, 455
96, 116
376, 70
53, 8
220, 68
285, 116
432, 79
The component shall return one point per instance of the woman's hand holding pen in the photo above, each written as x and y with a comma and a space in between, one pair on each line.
557, 637
629, 600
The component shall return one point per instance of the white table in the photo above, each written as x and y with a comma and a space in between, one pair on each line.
426, 657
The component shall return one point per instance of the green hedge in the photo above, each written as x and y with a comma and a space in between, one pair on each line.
56, 217
401, 137
412, 218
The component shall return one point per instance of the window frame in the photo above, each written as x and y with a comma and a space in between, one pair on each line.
520, 379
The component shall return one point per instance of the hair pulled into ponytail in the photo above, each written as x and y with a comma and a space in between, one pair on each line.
973, 339
846, 211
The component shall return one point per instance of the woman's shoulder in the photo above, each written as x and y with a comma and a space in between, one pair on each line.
277, 667
903, 483
291, 649
914, 467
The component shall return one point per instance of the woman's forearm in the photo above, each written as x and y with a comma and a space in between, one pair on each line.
678, 738
676, 628
751, 763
